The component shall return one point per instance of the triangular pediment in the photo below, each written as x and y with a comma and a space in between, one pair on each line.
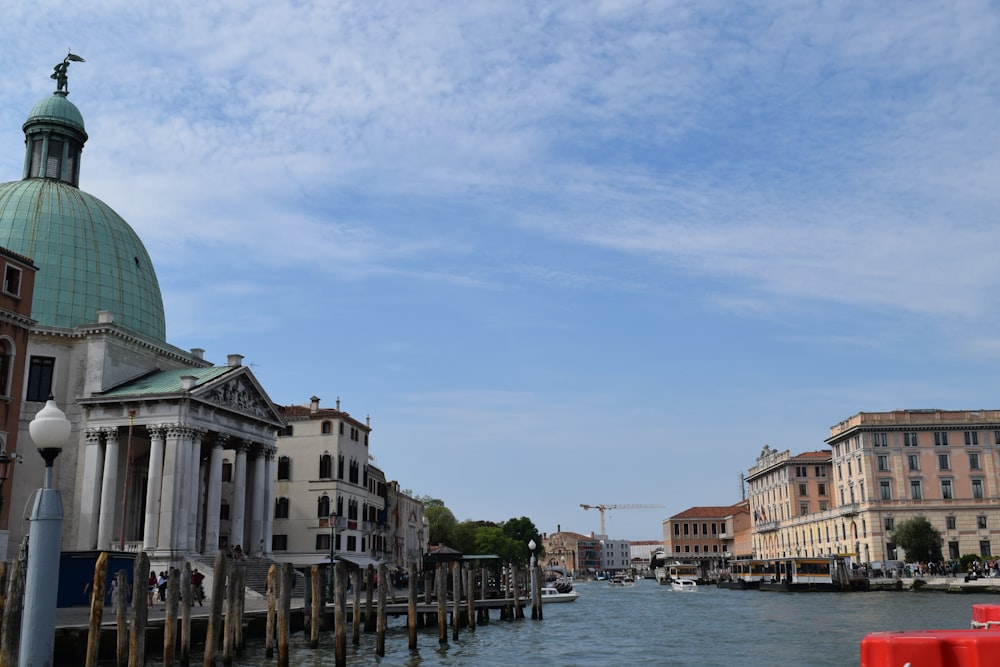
240, 392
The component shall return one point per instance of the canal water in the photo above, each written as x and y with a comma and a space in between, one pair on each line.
650, 624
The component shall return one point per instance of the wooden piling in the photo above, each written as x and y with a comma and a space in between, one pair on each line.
215, 628
537, 592
286, 582
307, 597
429, 587
470, 593
187, 599
170, 617
456, 599
96, 609
272, 581
241, 600
356, 608
10, 632
441, 579
515, 591
140, 605
121, 613
340, 614
411, 607
229, 629
314, 607
383, 585
369, 600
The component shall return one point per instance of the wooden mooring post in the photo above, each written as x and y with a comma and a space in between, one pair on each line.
441, 583
170, 617
215, 617
411, 606
96, 609
287, 580
470, 592
121, 613
187, 600
340, 614
314, 607
140, 606
383, 586
269, 623
229, 626
356, 606
369, 599
456, 599
10, 632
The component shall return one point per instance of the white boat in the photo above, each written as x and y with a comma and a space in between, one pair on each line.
552, 595
684, 584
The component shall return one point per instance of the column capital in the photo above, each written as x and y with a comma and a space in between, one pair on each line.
110, 433
93, 435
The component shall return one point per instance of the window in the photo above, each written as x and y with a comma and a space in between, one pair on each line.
803, 491
224, 511
281, 508
981, 522
694, 528
949, 523
972, 437
943, 462
279, 543
941, 438
909, 439
913, 462
820, 471
953, 553
284, 468
883, 463
53, 165
354, 476
325, 466
227, 471
352, 510
803, 508
322, 541
323, 506
677, 530
946, 493
704, 529
977, 488
823, 506
974, 461
880, 439
340, 505
687, 529
984, 548
890, 524
12, 280
288, 431
352, 543
821, 488
801, 471
40, 378
327, 428
340, 466
885, 489
6, 355
915, 492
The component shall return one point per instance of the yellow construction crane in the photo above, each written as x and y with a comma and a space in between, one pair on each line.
601, 508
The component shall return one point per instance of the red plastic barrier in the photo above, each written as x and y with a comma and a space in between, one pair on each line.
931, 648
986, 615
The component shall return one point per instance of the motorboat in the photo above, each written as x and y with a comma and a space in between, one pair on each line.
622, 580
552, 595
684, 584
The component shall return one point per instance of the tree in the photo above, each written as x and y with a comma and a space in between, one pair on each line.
919, 538
440, 521
521, 531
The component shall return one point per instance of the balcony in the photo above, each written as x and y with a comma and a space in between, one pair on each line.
767, 526
851, 509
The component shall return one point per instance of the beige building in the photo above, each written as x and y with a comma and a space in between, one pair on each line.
882, 468
327, 491
700, 536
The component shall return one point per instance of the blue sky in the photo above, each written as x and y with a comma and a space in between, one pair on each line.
560, 252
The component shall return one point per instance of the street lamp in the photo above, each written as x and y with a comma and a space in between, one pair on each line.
49, 431
534, 607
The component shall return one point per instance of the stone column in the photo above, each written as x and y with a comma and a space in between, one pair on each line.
170, 491
90, 502
238, 509
213, 502
194, 490
109, 490
257, 509
269, 454
181, 495
150, 533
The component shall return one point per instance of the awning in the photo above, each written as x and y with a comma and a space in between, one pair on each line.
361, 561
302, 561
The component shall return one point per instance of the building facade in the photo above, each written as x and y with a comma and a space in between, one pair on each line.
328, 493
699, 536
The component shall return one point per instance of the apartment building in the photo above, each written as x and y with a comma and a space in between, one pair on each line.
699, 535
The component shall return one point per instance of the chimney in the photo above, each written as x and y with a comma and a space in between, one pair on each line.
314, 404
558, 528
105, 317
235, 360
198, 352
368, 421
338, 404
188, 382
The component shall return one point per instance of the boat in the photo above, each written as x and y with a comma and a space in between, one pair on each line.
804, 574
622, 580
687, 585
551, 595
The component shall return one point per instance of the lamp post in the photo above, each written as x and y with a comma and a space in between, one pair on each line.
534, 604
49, 430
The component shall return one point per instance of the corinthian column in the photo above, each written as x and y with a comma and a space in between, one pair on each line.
109, 490
90, 499
213, 503
269, 454
257, 509
150, 533
239, 508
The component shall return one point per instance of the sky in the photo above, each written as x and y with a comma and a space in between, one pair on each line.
587, 252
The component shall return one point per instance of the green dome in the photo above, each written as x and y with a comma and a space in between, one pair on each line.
56, 109
88, 257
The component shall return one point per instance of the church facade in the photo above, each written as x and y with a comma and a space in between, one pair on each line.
151, 423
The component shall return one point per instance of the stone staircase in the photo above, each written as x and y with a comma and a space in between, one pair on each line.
256, 575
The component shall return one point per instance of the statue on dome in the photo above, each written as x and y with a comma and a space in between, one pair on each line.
59, 72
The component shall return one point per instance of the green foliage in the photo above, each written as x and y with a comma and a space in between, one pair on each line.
441, 524
508, 540
966, 560
919, 538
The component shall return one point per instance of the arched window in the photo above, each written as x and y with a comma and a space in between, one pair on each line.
327, 427
323, 509
340, 506
325, 466
281, 508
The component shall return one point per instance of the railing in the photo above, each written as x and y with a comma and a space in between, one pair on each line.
767, 526
851, 509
